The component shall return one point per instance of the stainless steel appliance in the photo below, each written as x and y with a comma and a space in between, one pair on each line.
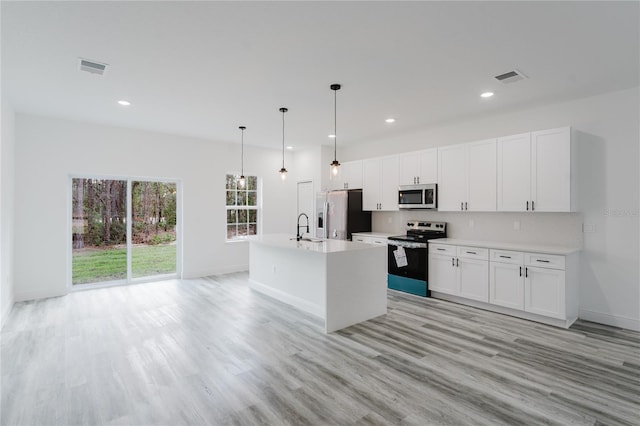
408, 256
423, 196
339, 214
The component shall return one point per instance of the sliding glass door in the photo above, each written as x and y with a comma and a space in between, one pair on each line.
153, 250
122, 230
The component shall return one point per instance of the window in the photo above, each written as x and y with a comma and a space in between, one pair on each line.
242, 207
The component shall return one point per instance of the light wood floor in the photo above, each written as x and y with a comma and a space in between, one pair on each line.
211, 351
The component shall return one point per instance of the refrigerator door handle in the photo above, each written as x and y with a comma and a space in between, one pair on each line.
325, 212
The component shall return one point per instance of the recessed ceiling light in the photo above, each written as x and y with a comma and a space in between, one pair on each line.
124, 103
487, 94
289, 147
390, 120
332, 136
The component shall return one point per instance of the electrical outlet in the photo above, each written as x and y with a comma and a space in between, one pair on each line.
516, 225
390, 220
471, 223
588, 228
274, 269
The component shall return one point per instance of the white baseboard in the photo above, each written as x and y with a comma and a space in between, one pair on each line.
294, 301
608, 319
35, 295
6, 311
217, 271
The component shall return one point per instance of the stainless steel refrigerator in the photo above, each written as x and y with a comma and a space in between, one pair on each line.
339, 214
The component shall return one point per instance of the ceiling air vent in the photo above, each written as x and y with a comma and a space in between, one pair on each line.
92, 67
510, 77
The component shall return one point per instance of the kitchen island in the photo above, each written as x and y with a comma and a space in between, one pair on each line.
342, 282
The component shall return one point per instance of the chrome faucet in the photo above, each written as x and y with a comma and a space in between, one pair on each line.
298, 234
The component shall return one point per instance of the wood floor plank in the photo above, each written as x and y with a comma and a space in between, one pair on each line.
212, 351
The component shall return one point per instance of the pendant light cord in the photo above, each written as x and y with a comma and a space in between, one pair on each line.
335, 125
242, 155
283, 139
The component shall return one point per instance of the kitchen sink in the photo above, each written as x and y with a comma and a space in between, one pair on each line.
309, 240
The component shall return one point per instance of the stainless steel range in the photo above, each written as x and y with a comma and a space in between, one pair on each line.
408, 256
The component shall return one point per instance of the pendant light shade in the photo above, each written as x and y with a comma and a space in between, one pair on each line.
335, 164
283, 171
242, 180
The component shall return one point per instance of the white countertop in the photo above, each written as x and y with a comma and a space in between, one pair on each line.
535, 248
325, 246
376, 234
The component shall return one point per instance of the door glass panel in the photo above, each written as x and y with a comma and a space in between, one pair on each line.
153, 228
99, 233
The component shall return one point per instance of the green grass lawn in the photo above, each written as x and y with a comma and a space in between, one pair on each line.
110, 264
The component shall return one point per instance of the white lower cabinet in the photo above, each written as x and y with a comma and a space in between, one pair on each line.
464, 273
442, 274
544, 292
506, 285
536, 286
473, 280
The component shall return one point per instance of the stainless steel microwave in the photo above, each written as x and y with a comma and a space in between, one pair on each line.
423, 196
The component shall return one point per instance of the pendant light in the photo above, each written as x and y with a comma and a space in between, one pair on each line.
335, 165
283, 171
242, 180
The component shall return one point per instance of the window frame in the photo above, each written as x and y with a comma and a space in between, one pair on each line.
257, 208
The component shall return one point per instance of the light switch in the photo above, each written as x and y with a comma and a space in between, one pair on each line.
588, 228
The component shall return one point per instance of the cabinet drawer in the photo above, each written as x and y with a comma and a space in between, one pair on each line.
473, 253
442, 249
505, 256
544, 260
379, 241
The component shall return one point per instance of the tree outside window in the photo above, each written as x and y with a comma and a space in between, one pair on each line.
242, 207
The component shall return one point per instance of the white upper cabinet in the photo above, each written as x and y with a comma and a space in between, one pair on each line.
534, 171
380, 184
352, 175
467, 177
514, 172
551, 170
418, 167
452, 178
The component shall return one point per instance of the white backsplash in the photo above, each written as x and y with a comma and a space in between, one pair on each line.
535, 228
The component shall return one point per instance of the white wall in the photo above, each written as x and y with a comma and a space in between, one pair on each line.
7, 145
49, 150
607, 140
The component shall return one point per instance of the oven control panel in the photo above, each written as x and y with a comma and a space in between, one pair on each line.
420, 225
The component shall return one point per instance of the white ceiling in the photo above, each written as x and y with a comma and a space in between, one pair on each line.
204, 68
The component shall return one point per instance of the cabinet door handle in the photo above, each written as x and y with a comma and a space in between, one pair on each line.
533, 206
418, 178
506, 257
472, 252
465, 206
453, 260
521, 271
441, 249
457, 262
527, 206
461, 205
542, 260
526, 272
